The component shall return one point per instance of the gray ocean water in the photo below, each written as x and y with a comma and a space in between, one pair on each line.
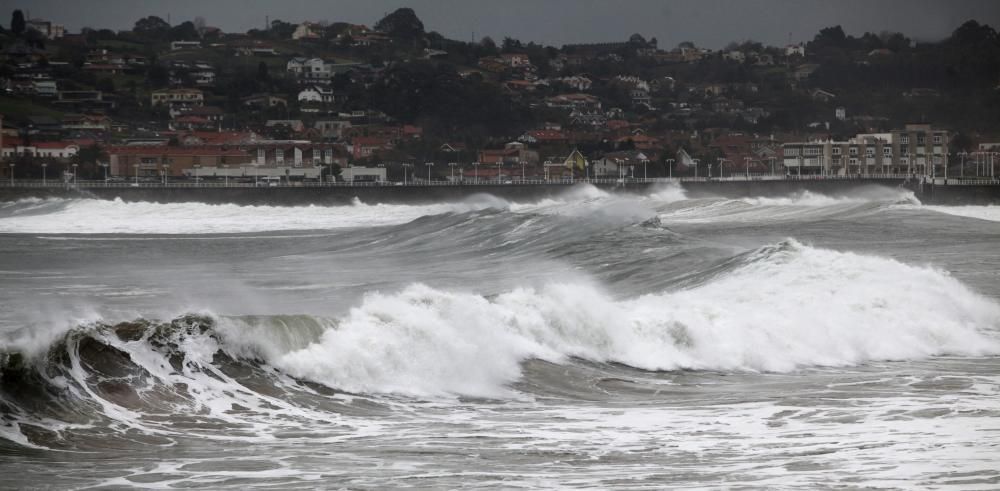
592, 340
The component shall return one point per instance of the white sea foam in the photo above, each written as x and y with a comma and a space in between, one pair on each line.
794, 307
118, 217
989, 213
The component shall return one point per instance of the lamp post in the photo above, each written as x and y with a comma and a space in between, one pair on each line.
405, 166
772, 166
75, 173
256, 167
12, 175
136, 167
645, 170
670, 168
721, 162
430, 165
961, 170
522, 171
748, 159
499, 163
545, 166
43, 174
166, 172
696, 162
225, 168
197, 179
451, 174
476, 165
105, 173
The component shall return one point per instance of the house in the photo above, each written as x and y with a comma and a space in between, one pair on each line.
332, 129
293, 124
177, 97
822, 95
86, 122
795, 50
584, 102
47, 149
45, 88
316, 94
307, 30
179, 45
85, 100
515, 60
366, 146
46, 28
803, 72
618, 164
265, 100
543, 137
576, 82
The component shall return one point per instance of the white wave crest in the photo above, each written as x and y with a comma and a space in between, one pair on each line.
794, 306
988, 213
91, 216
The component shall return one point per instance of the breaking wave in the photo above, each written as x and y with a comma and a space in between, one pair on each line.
779, 308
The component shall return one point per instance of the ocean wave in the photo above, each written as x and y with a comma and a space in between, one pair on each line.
780, 308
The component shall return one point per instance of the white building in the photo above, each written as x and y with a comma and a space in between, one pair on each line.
317, 94
367, 174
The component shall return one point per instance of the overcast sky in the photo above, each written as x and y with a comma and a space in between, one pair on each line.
709, 23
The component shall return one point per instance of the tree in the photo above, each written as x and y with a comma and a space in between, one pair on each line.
262, 74
17, 24
158, 76
106, 85
88, 159
402, 24
185, 31
152, 27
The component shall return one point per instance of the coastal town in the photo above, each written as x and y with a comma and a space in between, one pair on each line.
333, 102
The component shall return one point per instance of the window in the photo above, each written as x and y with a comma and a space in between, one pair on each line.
279, 156
836, 150
854, 161
920, 139
812, 151
937, 139
791, 152
887, 151
854, 151
147, 160
869, 152
904, 139
904, 150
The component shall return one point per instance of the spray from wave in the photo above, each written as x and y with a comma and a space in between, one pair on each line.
776, 309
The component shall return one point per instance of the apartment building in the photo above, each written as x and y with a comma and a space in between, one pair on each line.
915, 149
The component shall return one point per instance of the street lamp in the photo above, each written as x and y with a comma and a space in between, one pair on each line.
75, 172
256, 167
166, 172
452, 170
670, 168
696, 162
404, 172
43, 173
721, 166
645, 174
226, 170
105, 165
12, 175
136, 167
476, 165
747, 159
522, 171
197, 180
429, 165
499, 163
961, 169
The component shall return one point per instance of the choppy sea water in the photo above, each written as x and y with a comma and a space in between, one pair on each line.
593, 340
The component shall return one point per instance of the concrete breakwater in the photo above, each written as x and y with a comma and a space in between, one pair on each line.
418, 194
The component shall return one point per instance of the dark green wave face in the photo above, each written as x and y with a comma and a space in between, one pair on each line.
588, 339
